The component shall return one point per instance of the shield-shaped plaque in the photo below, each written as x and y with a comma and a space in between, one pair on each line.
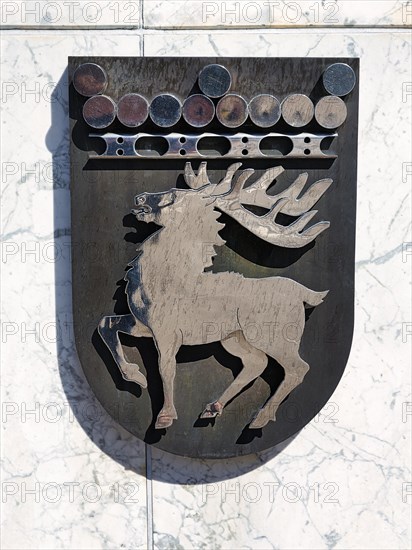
213, 231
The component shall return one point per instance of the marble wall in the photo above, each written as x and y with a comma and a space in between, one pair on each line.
71, 477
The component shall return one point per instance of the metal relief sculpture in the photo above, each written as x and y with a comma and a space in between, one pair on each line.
202, 189
171, 297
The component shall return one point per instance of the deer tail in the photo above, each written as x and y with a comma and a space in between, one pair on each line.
313, 298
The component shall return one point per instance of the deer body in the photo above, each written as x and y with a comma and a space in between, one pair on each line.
173, 300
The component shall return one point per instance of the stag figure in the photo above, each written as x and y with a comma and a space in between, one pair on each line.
172, 298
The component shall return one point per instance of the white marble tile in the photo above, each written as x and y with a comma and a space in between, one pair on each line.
70, 14
207, 14
85, 473
317, 491
365, 455
362, 460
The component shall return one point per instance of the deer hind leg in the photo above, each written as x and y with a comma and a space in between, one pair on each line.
109, 328
295, 370
167, 349
254, 363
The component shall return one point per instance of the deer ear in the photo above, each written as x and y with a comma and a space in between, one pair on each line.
193, 181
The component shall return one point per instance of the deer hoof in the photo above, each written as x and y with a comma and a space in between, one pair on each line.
164, 421
212, 410
132, 374
260, 421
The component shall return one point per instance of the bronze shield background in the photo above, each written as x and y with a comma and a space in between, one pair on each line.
104, 237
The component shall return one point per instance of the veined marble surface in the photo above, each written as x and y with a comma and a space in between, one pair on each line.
344, 482
203, 13
86, 475
349, 470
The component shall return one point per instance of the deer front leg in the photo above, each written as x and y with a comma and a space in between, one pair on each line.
167, 349
109, 328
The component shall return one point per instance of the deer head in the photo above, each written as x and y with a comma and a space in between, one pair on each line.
229, 197
163, 207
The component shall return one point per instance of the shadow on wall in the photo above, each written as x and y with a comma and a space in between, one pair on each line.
110, 437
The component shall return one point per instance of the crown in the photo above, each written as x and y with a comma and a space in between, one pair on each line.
213, 121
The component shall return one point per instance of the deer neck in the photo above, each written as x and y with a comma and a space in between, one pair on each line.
184, 248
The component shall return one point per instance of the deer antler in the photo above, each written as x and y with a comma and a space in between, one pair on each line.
229, 199
256, 194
